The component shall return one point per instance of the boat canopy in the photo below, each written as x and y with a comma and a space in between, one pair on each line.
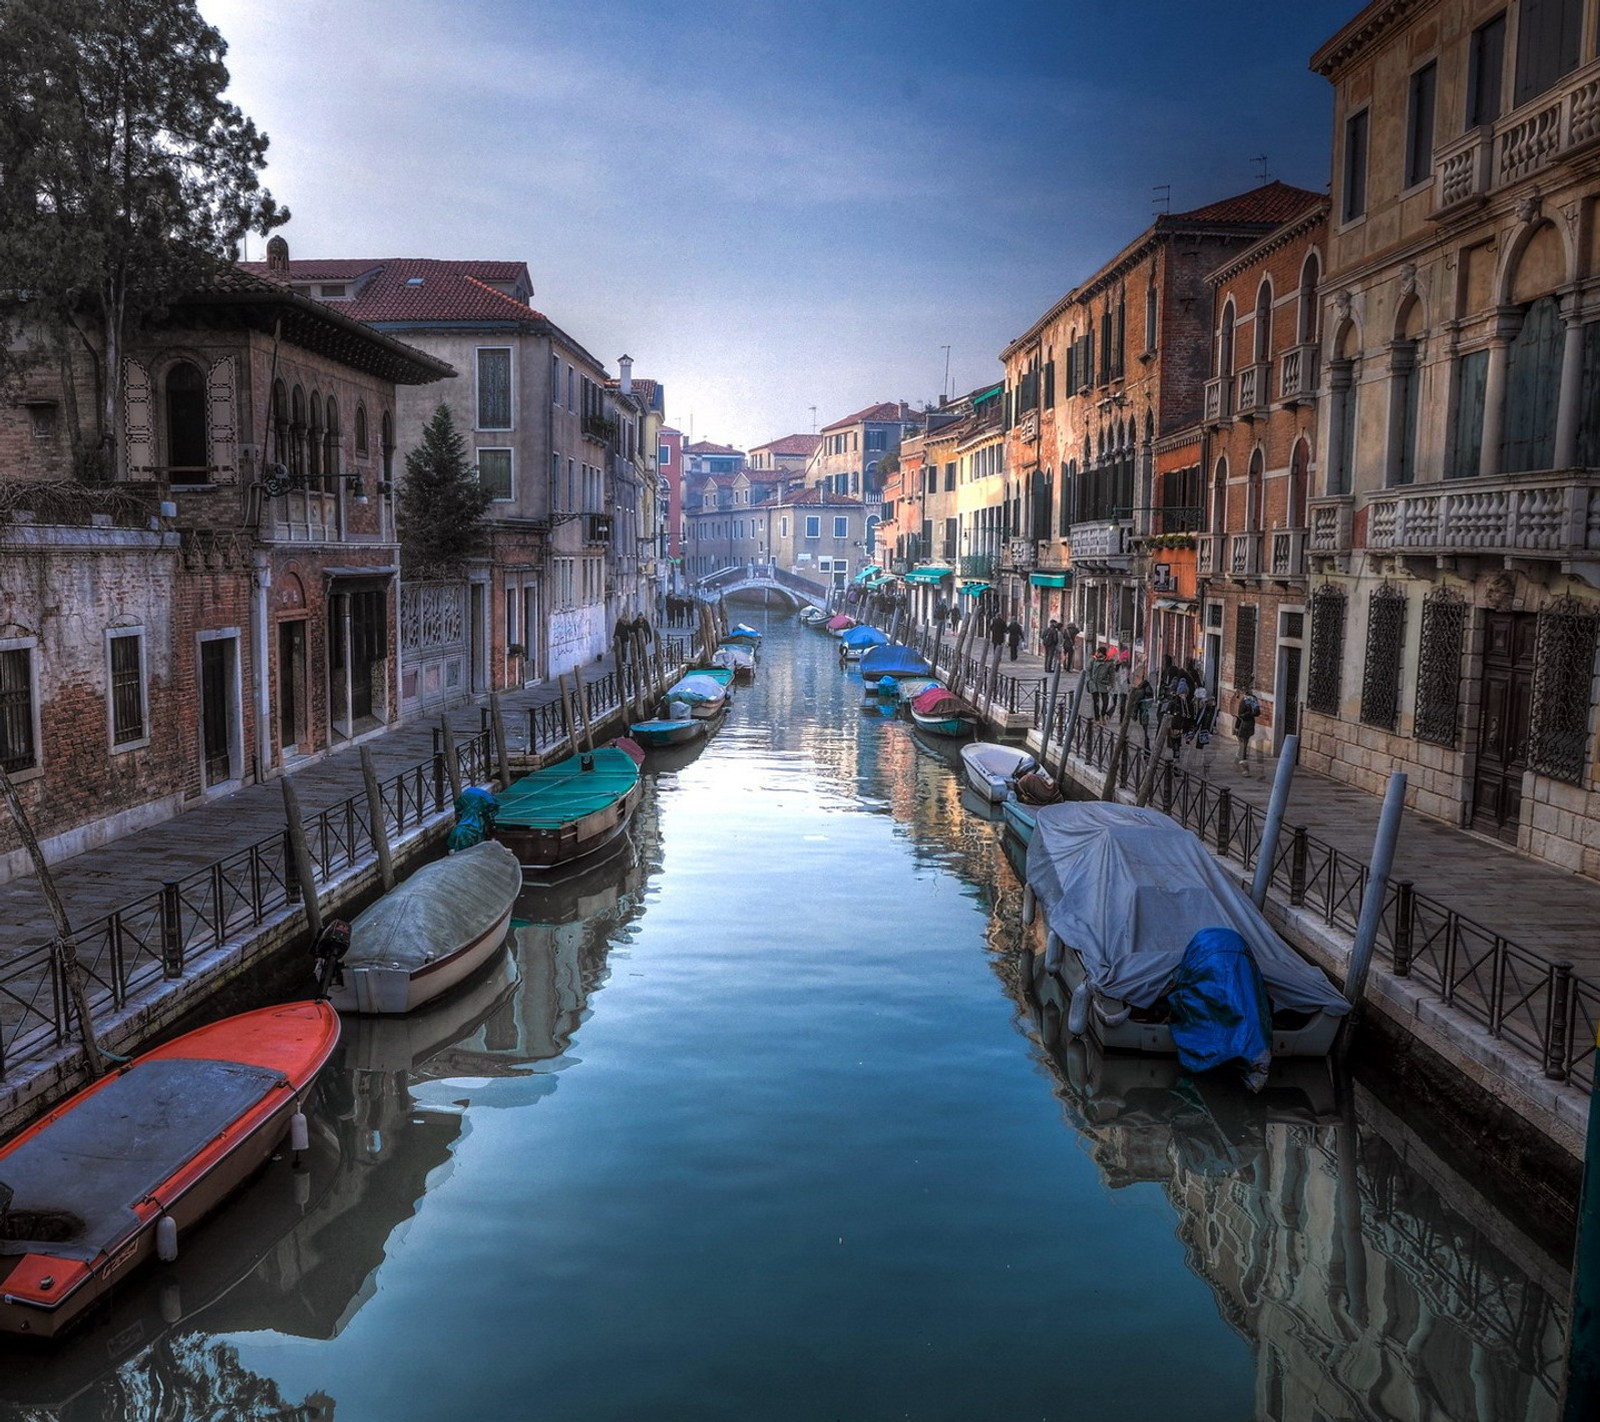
743, 629
892, 659
840, 621
940, 701
565, 792
1128, 888
697, 686
864, 637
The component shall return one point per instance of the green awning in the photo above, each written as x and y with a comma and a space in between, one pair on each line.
867, 572
975, 589
876, 583
927, 575
1049, 580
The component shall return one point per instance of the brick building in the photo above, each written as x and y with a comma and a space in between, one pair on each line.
226, 605
1260, 433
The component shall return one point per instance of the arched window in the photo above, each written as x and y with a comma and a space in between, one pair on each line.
330, 451
1264, 323
1310, 275
1225, 341
1219, 497
1252, 499
361, 428
314, 438
1299, 483
188, 448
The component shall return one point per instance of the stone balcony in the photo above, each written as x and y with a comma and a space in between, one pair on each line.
1297, 375
1218, 399
1544, 516
1098, 541
1244, 555
1208, 560
1332, 519
1287, 558
1555, 126
1255, 390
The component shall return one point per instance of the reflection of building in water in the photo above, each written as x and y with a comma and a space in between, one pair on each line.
1366, 1293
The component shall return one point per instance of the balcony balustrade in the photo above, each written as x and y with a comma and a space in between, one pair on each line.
1289, 552
1020, 554
1209, 554
1219, 399
1297, 375
1330, 524
1546, 130
1096, 540
1255, 390
1541, 515
1244, 555
976, 565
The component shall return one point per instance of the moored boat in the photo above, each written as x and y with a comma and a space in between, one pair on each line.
893, 659
940, 710
704, 692
991, 770
429, 932
856, 642
1159, 951
567, 811
737, 657
116, 1174
840, 623
668, 731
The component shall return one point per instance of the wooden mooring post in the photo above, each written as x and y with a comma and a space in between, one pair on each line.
498, 722
452, 757
300, 853
66, 953
377, 821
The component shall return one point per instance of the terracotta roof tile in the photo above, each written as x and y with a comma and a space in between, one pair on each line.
415, 288
1273, 202
791, 444
888, 410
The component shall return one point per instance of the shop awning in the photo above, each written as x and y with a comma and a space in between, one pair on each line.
975, 589
870, 570
878, 582
927, 575
1049, 580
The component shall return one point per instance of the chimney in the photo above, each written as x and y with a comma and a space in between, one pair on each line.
625, 365
278, 258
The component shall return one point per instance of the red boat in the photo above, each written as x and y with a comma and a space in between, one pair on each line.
117, 1173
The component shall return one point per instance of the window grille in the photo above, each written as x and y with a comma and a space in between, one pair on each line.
1444, 622
1244, 647
1294, 625
1324, 681
1386, 636
1563, 674
17, 751
127, 691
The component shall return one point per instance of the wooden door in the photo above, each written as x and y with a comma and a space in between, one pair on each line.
1507, 704
216, 700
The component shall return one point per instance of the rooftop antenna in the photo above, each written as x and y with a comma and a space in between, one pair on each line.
1161, 197
1262, 171
813, 419
944, 390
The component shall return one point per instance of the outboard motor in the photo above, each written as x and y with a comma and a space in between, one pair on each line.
328, 951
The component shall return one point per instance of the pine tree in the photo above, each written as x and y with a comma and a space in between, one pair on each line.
442, 504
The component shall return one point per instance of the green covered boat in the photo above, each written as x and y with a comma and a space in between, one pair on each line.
567, 811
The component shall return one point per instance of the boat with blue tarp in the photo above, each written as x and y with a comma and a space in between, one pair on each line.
896, 660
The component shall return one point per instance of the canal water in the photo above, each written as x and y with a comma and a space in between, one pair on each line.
756, 1120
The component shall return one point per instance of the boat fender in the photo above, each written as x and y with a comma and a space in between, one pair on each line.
171, 1301
166, 1239
299, 1133
1050, 1026
302, 1186
1102, 1010
1078, 1013
1029, 903
1052, 952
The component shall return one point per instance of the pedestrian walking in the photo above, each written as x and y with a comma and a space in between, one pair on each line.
1203, 730
1244, 727
1013, 637
955, 614
1050, 641
1069, 638
1098, 676
1122, 683
1144, 701
997, 629
941, 610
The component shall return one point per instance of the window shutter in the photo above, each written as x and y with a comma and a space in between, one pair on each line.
138, 419
220, 428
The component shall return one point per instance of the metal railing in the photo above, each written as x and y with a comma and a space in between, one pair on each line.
1537, 1004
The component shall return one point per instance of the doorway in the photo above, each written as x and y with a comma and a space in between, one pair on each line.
477, 625
217, 706
292, 718
1506, 715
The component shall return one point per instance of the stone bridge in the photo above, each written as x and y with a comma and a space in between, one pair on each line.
796, 589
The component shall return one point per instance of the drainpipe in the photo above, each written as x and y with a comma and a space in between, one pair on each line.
263, 688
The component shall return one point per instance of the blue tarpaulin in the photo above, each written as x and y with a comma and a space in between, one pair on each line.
475, 812
864, 637
1220, 1011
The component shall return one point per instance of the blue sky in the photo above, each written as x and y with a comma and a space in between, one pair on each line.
773, 206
